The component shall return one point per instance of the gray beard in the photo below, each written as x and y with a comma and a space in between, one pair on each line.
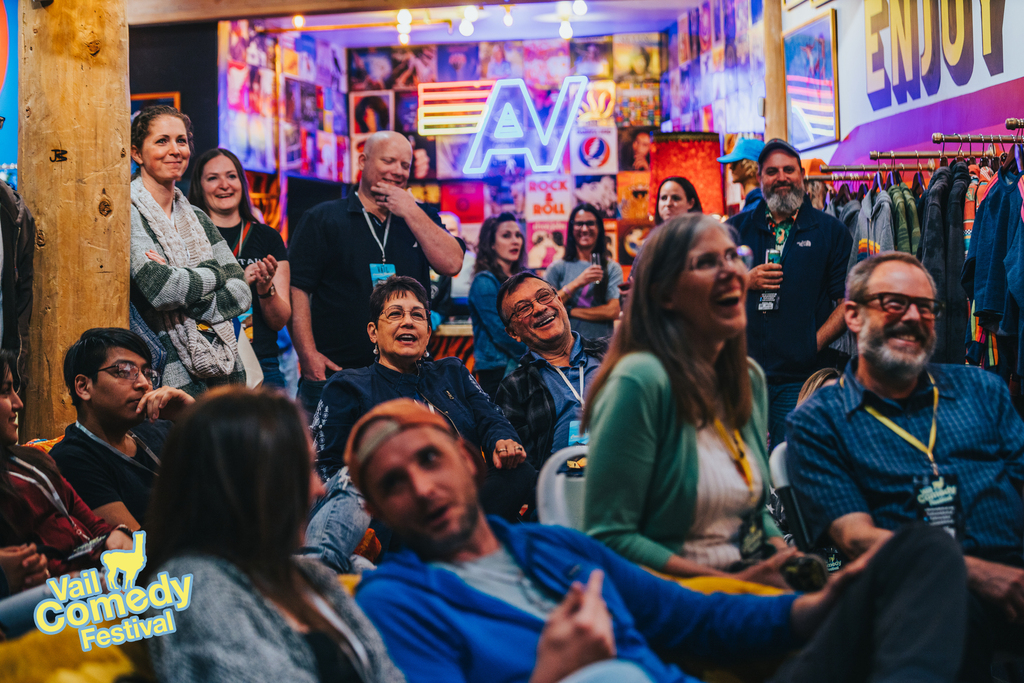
872, 346
785, 204
440, 549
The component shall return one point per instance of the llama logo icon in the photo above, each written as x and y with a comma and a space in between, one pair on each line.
128, 563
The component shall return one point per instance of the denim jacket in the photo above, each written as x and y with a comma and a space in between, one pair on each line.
445, 384
492, 347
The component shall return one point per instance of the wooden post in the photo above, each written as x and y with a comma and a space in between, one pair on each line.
776, 124
73, 171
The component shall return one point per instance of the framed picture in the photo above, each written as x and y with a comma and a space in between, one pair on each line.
150, 99
812, 92
371, 111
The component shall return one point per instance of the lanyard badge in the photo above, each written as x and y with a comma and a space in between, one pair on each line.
936, 496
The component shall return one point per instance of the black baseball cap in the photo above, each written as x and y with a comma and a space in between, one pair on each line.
776, 145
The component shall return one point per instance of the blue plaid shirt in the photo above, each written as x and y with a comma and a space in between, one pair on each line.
843, 460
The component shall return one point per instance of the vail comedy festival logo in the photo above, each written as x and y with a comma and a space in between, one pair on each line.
82, 604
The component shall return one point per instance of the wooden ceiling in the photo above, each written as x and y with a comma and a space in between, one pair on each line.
150, 12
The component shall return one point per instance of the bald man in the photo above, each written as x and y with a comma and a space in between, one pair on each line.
342, 248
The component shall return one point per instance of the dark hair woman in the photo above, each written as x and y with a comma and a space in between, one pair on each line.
37, 506
186, 284
676, 196
399, 328
677, 473
499, 255
587, 280
229, 508
219, 187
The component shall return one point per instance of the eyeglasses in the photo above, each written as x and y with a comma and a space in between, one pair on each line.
895, 304
584, 224
125, 369
705, 263
396, 314
524, 308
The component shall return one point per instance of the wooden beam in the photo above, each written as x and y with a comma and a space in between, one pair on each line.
776, 122
148, 12
73, 171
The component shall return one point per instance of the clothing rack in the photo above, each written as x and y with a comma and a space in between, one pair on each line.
877, 167
939, 138
832, 177
1014, 124
935, 155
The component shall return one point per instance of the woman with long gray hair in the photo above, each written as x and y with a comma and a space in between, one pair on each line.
677, 472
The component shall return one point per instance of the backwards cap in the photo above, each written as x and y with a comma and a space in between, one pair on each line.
389, 418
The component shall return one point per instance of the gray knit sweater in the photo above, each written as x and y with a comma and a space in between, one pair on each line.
211, 292
231, 633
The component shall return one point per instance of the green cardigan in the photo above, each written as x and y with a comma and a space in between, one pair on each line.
642, 464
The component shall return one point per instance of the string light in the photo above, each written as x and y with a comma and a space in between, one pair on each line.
404, 17
403, 38
507, 20
298, 21
565, 30
466, 27
579, 7
404, 29
471, 13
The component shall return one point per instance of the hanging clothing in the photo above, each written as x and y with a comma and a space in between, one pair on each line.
900, 219
952, 326
984, 273
874, 227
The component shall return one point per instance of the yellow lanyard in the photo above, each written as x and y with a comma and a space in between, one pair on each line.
738, 451
928, 450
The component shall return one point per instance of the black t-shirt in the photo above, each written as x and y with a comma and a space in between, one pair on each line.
101, 476
262, 241
330, 253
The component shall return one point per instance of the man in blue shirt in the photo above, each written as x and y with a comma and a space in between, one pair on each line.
543, 397
898, 440
792, 311
473, 598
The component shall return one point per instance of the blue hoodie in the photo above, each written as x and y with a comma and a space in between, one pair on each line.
437, 628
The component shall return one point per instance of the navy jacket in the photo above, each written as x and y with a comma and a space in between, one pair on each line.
437, 628
814, 262
445, 384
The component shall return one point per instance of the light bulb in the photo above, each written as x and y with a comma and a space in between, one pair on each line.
404, 17
565, 30
298, 21
579, 7
507, 20
466, 27
471, 12
403, 38
404, 28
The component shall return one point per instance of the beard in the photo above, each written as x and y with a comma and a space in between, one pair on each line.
430, 548
872, 342
784, 204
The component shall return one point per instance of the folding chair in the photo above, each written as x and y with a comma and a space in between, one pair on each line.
560, 489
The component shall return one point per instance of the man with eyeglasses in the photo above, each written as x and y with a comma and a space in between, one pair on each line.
543, 396
899, 440
111, 453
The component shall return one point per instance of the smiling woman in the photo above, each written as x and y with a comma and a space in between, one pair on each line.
187, 308
219, 187
682, 343
587, 279
399, 327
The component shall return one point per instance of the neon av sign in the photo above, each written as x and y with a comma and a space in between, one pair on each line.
512, 126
